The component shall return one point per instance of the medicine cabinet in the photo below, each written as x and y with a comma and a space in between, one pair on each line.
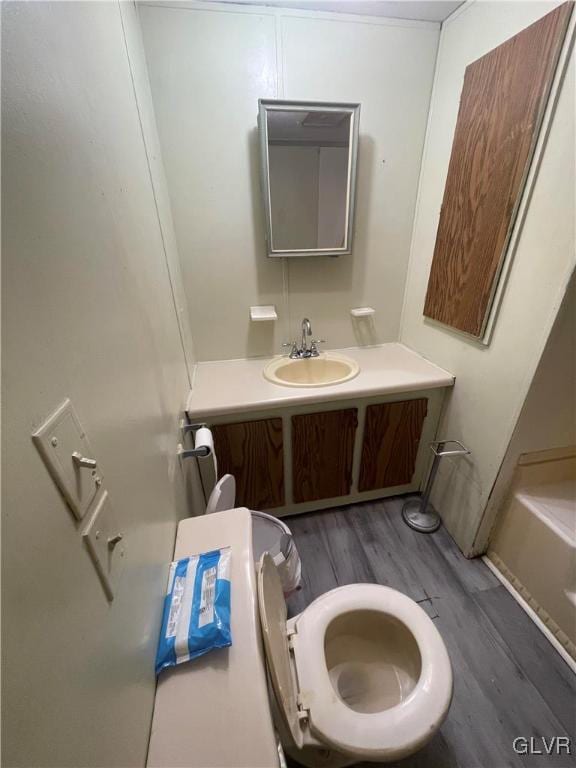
308, 155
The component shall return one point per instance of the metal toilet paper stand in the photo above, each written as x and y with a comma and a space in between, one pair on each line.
419, 514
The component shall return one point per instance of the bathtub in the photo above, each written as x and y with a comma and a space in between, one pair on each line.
534, 543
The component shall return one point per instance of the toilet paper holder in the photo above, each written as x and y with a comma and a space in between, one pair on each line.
189, 453
419, 514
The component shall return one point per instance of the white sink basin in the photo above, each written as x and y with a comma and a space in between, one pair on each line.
327, 368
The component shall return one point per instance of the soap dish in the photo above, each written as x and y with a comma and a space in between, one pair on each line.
362, 312
263, 313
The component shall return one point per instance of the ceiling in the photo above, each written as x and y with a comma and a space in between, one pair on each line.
301, 127
423, 10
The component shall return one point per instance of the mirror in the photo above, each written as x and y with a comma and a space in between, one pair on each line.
309, 154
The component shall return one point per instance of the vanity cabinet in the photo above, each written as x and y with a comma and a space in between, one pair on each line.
300, 450
309, 456
253, 451
390, 445
322, 454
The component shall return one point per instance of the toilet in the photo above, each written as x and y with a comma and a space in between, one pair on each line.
361, 674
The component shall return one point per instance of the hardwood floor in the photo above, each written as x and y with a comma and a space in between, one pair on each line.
508, 680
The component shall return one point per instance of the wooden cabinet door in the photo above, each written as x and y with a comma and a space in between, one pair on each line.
253, 451
322, 452
501, 107
391, 437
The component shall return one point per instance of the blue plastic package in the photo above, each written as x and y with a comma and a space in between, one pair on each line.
196, 615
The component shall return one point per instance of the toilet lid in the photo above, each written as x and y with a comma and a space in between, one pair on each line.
273, 620
223, 495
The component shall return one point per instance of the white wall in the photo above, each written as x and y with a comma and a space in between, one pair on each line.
491, 382
308, 194
548, 416
88, 314
294, 182
208, 66
332, 181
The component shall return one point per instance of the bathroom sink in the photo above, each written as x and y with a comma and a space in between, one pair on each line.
327, 368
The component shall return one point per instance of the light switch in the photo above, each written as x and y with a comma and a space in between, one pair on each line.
106, 545
65, 449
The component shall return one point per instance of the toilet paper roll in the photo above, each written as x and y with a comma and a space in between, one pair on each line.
207, 464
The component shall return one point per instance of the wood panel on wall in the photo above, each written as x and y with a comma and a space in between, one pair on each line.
322, 453
253, 451
390, 444
502, 103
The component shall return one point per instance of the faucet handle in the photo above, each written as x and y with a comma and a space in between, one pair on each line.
293, 348
314, 346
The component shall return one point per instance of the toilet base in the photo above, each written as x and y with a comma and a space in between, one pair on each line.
423, 521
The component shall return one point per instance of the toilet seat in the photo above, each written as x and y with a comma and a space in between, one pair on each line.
393, 732
304, 691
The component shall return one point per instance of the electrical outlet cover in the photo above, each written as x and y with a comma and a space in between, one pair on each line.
106, 545
57, 439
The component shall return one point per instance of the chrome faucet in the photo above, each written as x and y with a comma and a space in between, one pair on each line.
306, 331
304, 351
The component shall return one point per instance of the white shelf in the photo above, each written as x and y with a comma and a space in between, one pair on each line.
263, 313
362, 312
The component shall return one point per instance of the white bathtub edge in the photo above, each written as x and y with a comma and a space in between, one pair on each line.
531, 613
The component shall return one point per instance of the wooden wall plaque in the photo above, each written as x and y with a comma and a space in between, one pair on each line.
502, 104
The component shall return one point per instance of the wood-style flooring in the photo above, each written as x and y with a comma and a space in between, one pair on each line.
509, 682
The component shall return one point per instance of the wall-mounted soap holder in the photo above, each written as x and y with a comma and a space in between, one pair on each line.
264, 313
362, 312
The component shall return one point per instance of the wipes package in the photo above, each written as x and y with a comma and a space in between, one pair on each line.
196, 615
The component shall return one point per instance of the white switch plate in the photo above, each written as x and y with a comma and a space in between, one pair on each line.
108, 557
57, 439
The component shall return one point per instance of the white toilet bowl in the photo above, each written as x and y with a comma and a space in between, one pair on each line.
361, 674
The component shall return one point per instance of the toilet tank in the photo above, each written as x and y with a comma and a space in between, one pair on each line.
215, 711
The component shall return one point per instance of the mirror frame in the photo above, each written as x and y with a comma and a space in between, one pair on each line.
271, 105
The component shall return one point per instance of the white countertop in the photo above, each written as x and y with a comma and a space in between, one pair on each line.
229, 386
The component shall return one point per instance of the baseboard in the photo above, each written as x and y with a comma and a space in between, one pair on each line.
550, 636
